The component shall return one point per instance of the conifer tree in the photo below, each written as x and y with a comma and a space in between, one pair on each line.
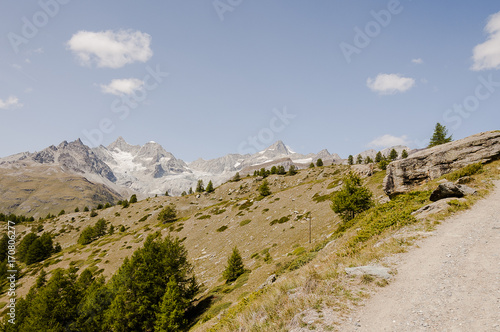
378, 157
439, 136
168, 214
368, 160
133, 199
172, 308
393, 155
199, 186
319, 162
359, 159
350, 160
264, 189
292, 170
234, 267
210, 187
352, 199
166, 193
190, 191
404, 154
311, 165
184, 193
77, 209
236, 177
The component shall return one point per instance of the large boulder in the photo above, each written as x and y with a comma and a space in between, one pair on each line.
405, 174
449, 189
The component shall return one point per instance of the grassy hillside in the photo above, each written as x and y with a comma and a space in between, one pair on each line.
40, 190
272, 234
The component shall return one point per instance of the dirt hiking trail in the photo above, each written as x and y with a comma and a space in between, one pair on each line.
450, 283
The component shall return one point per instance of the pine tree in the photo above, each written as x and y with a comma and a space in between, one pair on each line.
368, 160
378, 157
274, 170
311, 165
359, 159
236, 177
350, 160
190, 191
393, 155
404, 154
77, 209
166, 193
111, 230
168, 214
439, 136
86, 209
172, 308
210, 187
199, 186
319, 162
292, 170
184, 193
264, 189
133, 199
234, 267
352, 199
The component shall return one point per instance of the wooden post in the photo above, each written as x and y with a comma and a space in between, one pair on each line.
310, 226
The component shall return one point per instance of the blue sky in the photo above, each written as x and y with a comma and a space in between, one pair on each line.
341, 75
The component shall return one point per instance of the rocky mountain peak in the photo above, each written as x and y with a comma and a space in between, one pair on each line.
121, 144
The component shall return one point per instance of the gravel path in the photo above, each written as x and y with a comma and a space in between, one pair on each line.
450, 283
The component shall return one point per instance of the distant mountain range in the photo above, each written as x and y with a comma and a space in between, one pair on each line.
148, 170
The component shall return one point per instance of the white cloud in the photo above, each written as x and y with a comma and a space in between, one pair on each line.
387, 140
387, 84
487, 54
418, 61
16, 66
10, 103
122, 86
112, 49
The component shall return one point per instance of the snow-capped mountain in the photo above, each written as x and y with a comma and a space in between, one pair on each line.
150, 169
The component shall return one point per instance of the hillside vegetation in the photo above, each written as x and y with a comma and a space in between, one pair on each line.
272, 234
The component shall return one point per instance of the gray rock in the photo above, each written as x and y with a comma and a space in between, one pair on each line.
449, 189
376, 271
428, 164
435, 207
270, 280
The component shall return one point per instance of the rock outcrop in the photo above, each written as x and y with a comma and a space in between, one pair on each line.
405, 174
449, 189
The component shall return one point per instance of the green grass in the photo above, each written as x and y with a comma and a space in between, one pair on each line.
206, 216
321, 198
144, 218
245, 205
394, 214
217, 211
465, 171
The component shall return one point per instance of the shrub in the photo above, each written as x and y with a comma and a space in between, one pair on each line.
352, 199
465, 171
168, 214
245, 222
221, 229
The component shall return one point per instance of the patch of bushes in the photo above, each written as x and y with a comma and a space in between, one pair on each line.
281, 220
217, 211
206, 216
245, 222
221, 229
466, 171
321, 198
145, 217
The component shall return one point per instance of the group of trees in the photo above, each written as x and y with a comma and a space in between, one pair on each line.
319, 163
34, 248
279, 170
379, 158
150, 292
92, 233
15, 218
